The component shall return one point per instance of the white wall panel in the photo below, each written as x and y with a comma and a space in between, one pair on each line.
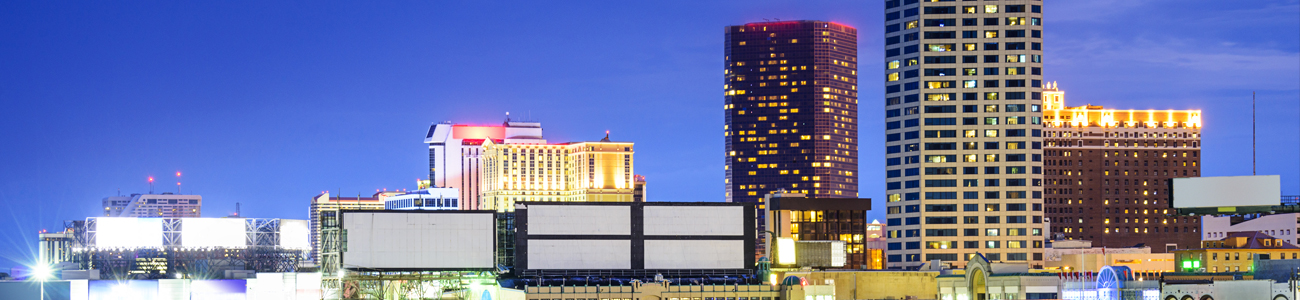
419, 240
579, 254
579, 219
694, 254
695, 220
294, 234
214, 232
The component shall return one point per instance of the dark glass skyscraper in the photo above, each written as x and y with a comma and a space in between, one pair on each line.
791, 110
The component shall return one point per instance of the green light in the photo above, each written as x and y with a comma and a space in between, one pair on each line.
1187, 264
1196, 264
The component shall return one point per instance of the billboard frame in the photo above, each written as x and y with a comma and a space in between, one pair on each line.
637, 239
343, 239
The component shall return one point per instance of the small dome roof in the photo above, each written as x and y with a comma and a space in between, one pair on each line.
792, 280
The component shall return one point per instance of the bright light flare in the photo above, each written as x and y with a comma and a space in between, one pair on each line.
785, 254
42, 272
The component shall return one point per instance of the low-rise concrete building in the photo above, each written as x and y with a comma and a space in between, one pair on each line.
851, 285
1235, 253
1236, 289
1080, 256
1282, 226
985, 280
792, 287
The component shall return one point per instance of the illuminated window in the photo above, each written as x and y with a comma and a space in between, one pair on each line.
991, 133
938, 84
892, 77
990, 9
990, 34
968, 9
937, 97
970, 84
894, 64
939, 47
913, 24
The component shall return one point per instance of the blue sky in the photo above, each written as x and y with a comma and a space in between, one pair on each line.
269, 103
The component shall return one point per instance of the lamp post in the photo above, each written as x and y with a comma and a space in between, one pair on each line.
42, 273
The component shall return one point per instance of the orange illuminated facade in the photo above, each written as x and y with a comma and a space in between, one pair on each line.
571, 172
1057, 115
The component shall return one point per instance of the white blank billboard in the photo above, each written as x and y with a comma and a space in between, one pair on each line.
419, 240
694, 254
694, 220
128, 232
294, 234
213, 232
579, 219
1192, 192
579, 254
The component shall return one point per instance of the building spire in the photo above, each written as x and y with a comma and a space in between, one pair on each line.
606, 139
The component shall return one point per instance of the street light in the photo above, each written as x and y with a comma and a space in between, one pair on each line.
42, 272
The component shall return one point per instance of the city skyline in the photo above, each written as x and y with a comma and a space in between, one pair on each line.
292, 103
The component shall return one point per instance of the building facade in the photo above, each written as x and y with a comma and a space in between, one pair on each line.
1108, 171
963, 130
455, 153
325, 209
800, 218
165, 205
1081, 256
791, 110
425, 199
1282, 226
1235, 253
572, 172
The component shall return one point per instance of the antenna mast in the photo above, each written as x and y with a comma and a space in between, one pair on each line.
1253, 170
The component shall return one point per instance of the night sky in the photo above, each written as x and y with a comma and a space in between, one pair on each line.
268, 104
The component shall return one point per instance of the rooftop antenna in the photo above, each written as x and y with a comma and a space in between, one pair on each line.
1252, 134
777, 19
766, 20
178, 183
236, 209
150, 184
